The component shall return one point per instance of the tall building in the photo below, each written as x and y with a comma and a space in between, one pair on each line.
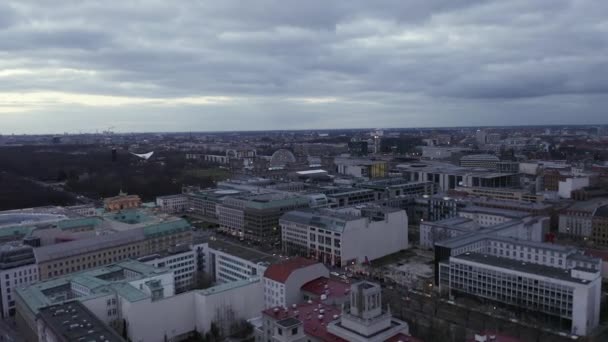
481, 136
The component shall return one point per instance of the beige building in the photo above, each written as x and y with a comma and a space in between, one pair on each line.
65, 258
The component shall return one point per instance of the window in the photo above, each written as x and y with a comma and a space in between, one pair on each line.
294, 331
280, 331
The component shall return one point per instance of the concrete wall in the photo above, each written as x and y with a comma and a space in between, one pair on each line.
374, 239
176, 316
298, 278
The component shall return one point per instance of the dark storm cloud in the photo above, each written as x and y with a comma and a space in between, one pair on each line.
319, 63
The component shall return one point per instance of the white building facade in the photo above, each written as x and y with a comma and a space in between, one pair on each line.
335, 237
173, 204
554, 280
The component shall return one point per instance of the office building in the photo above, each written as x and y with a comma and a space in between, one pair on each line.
256, 217
508, 194
139, 300
17, 268
357, 148
345, 197
396, 187
559, 282
481, 137
448, 177
183, 260
334, 236
78, 255
204, 203
173, 203
486, 161
105, 291
230, 262
599, 226
361, 168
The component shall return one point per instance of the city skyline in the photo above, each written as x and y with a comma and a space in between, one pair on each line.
219, 66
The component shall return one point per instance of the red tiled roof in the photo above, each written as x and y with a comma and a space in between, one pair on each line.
281, 271
403, 338
597, 253
499, 337
309, 313
326, 286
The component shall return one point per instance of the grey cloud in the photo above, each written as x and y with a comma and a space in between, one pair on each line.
408, 62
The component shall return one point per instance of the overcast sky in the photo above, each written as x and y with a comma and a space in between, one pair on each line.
69, 66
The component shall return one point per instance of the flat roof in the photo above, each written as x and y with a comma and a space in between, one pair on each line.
76, 247
100, 281
495, 211
243, 252
72, 321
524, 267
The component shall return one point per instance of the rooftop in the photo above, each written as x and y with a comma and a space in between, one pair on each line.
240, 251
108, 240
228, 286
314, 316
280, 272
96, 282
515, 265
72, 321
495, 211
497, 337
589, 205
326, 286
324, 219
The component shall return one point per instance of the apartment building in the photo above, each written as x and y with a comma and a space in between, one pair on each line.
599, 226
556, 281
577, 220
256, 217
334, 236
78, 255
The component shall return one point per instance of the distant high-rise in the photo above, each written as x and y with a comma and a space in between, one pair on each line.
114, 155
481, 136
